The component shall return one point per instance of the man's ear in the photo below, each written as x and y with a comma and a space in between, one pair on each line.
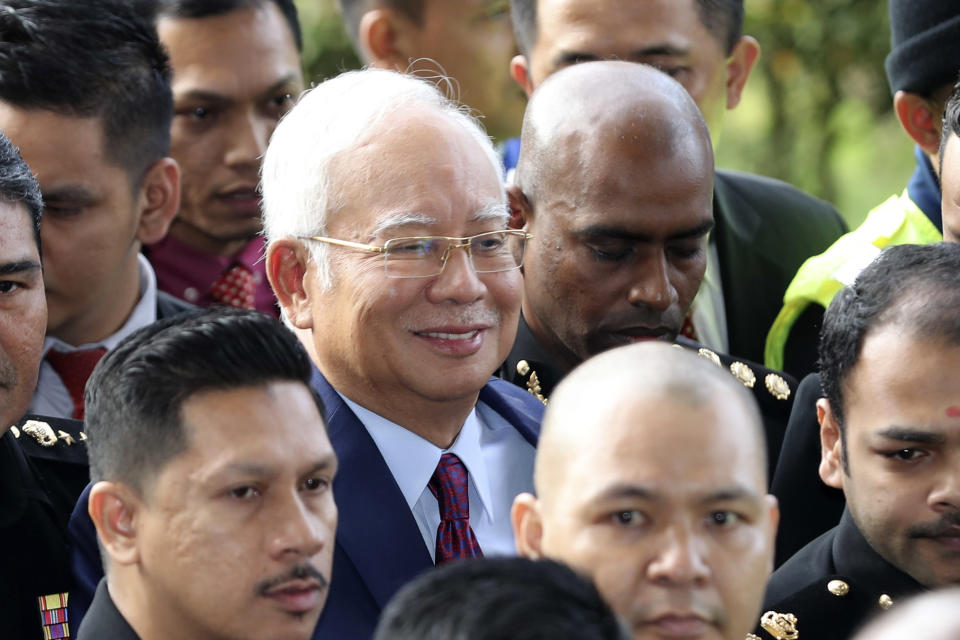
386, 37
739, 65
520, 71
527, 526
920, 119
159, 200
290, 275
114, 508
521, 213
831, 446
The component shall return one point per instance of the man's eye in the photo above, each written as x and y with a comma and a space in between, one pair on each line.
199, 113
905, 455
724, 519
245, 493
315, 484
61, 210
411, 248
628, 518
686, 252
611, 254
8, 286
282, 100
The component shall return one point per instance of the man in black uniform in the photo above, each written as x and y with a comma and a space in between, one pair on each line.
614, 182
890, 438
43, 463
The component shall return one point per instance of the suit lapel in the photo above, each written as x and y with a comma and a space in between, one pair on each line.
517, 407
376, 529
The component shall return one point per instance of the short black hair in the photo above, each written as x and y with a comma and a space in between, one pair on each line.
723, 18
951, 120
18, 185
502, 597
96, 58
207, 8
353, 11
913, 286
135, 396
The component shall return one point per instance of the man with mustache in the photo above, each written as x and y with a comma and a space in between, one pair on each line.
656, 488
389, 252
890, 439
617, 194
213, 483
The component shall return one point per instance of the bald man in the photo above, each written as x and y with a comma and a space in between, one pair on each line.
656, 489
615, 184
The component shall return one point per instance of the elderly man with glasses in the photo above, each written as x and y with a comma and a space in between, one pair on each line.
389, 252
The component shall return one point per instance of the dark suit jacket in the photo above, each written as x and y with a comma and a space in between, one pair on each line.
530, 367
765, 230
168, 306
808, 507
379, 547
800, 586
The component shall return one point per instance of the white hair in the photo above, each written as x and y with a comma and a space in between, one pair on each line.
330, 119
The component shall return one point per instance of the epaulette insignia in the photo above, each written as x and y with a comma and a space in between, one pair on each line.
744, 374
782, 626
65, 437
885, 602
53, 616
838, 587
41, 432
711, 356
751, 636
777, 386
15, 431
533, 380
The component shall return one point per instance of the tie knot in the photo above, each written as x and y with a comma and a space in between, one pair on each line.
74, 368
235, 288
449, 485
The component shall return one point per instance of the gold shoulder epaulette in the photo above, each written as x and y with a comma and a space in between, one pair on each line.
782, 626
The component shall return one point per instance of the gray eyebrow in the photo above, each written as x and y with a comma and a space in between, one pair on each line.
404, 219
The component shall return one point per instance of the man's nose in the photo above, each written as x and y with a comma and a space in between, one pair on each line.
459, 281
248, 139
651, 284
680, 559
299, 530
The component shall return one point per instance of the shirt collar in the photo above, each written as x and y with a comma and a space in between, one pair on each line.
412, 459
144, 313
924, 189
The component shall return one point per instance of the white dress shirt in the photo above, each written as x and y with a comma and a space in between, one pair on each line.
499, 464
51, 397
708, 311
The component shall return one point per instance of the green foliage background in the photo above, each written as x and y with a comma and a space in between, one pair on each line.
817, 111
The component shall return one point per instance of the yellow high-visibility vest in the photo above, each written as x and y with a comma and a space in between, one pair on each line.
898, 220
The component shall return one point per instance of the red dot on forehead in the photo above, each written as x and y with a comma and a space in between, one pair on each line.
953, 412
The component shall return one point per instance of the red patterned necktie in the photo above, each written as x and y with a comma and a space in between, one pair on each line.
455, 538
234, 288
74, 368
688, 330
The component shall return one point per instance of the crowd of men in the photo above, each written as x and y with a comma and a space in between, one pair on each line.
287, 364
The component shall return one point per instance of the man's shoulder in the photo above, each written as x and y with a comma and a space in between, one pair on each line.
774, 195
51, 439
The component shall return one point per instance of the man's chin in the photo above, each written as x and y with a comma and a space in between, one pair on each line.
611, 340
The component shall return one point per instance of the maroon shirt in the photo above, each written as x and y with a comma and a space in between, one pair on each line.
188, 274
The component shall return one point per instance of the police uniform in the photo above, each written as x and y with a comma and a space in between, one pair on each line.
529, 366
832, 587
43, 469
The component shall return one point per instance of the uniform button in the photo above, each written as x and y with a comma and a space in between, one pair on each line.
885, 602
838, 587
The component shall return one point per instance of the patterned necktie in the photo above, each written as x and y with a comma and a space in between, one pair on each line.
74, 368
234, 288
455, 538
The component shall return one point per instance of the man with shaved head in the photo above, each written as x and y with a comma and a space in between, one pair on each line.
617, 194
657, 489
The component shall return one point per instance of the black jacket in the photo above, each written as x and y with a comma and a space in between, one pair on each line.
835, 584
103, 621
43, 469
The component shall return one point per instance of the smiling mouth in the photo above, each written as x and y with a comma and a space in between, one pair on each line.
438, 335
678, 625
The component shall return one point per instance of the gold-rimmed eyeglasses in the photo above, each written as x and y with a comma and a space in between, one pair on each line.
426, 256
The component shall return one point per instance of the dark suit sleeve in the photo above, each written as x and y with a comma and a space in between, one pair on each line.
808, 507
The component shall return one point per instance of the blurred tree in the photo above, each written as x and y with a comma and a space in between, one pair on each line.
326, 47
818, 110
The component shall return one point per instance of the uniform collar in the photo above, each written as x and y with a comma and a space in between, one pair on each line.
924, 189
